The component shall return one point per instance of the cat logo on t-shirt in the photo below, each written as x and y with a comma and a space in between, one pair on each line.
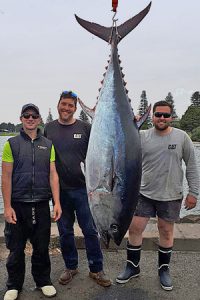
77, 135
173, 146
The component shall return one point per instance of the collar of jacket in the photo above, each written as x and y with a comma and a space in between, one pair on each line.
26, 136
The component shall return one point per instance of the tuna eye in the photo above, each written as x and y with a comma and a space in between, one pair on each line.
114, 227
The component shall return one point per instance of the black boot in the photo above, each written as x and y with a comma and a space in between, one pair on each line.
164, 255
132, 267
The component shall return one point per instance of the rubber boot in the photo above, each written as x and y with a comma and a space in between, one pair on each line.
164, 255
132, 266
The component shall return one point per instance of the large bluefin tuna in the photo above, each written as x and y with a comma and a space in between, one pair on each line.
113, 162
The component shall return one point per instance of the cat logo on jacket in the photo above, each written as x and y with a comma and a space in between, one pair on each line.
77, 135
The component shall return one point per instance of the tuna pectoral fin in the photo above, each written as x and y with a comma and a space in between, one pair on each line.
105, 238
90, 112
83, 167
144, 117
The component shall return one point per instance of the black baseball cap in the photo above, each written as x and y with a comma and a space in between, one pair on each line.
30, 106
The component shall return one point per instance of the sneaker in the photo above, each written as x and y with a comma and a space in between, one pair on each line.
48, 291
129, 272
165, 279
100, 278
11, 295
67, 276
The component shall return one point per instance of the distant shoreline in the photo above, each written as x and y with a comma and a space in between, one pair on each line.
8, 134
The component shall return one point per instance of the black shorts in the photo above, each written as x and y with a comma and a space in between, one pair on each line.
166, 210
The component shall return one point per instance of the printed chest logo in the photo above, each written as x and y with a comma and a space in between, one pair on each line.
42, 147
77, 135
172, 147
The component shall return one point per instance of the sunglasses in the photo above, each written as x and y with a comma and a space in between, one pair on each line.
27, 116
160, 114
70, 93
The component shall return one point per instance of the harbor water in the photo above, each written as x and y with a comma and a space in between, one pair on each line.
195, 211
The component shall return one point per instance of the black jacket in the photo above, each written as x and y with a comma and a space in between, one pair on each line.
31, 168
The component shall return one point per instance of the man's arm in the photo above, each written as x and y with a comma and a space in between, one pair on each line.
9, 213
54, 183
192, 174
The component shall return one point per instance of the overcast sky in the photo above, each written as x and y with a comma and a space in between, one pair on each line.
43, 50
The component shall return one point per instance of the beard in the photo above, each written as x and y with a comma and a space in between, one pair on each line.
161, 128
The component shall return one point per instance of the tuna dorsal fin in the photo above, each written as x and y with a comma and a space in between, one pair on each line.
105, 32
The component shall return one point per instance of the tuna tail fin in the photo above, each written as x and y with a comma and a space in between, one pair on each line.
105, 32
96, 29
129, 25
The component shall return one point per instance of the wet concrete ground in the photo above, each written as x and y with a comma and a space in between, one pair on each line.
185, 271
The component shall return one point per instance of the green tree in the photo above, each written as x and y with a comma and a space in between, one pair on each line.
195, 136
3, 126
176, 123
7, 126
142, 110
170, 100
83, 117
11, 127
195, 99
18, 127
50, 117
191, 118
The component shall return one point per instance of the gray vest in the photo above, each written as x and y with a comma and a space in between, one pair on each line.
31, 168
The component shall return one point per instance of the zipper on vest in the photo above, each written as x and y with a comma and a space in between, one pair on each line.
33, 167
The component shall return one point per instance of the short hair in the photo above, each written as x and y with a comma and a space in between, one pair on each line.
68, 94
162, 103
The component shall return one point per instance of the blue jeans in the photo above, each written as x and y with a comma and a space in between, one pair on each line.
76, 202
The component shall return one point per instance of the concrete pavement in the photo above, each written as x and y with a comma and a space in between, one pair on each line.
187, 236
185, 269
185, 272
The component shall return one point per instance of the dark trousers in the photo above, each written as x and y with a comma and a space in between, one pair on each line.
76, 201
33, 222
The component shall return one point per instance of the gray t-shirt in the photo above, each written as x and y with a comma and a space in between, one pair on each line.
162, 173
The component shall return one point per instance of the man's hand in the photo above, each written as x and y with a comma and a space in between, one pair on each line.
57, 211
190, 202
10, 216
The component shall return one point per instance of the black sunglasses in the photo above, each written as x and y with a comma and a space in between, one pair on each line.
160, 114
27, 116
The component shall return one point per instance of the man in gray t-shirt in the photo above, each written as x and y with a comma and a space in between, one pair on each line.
161, 193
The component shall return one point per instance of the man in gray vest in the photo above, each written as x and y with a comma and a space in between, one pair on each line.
28, 177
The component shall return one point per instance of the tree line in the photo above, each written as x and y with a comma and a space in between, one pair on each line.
189, 122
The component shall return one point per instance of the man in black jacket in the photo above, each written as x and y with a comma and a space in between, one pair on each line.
70, 138
28, 177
